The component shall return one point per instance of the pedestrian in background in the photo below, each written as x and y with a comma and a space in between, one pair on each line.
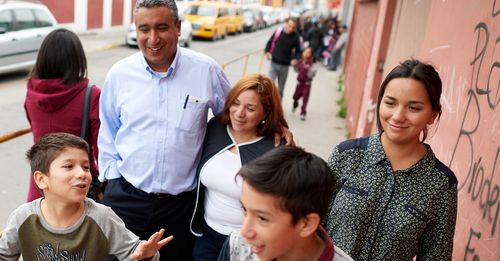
340, 44
394, 200
243, 131
306, 70
283, 49
56, 93
315, 39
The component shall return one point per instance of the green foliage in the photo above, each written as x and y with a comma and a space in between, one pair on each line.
342, 112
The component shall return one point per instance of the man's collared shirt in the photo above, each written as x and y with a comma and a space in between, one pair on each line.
153, 125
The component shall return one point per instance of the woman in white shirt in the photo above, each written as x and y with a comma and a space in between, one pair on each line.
243, 131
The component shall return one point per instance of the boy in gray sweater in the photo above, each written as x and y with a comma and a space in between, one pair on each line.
65, 224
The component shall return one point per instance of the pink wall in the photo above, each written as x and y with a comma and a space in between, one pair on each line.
357, 58
132, 13
94, 14
117, 13
374, 71
60, 10
462, 39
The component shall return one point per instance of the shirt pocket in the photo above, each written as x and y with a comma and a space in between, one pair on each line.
409, 223
416, 213
350, 205
193, 115
355, 190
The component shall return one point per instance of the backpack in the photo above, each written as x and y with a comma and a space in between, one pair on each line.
275, 38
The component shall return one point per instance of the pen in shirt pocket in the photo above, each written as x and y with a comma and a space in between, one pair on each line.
186, 101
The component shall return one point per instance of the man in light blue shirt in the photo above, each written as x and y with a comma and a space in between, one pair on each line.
153, 112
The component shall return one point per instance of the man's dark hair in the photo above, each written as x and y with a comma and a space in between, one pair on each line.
170, 4
302, 180
49, 147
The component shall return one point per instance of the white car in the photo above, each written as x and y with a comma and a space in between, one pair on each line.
23, 26
184, 39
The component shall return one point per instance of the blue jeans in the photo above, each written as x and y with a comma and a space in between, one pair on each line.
207, 247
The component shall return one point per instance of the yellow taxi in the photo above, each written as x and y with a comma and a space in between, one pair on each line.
208, 19
236, 19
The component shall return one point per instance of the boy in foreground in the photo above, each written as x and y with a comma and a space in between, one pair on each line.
65, 224
285, 194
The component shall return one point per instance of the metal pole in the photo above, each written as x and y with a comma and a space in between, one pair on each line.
14, 134
245, 64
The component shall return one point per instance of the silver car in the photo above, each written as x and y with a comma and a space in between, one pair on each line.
23, 26
184, 39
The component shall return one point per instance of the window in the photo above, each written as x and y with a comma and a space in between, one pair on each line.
201, 10
25, 19
42, 18
6, 20
223, 11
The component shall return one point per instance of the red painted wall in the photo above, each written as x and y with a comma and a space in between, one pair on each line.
94, 15
132, 13
462, 39
117, 13
357, 58
62, 10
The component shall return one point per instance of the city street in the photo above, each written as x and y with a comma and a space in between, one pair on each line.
319, 133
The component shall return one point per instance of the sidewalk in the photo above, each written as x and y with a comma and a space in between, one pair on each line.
321, 130
99, 40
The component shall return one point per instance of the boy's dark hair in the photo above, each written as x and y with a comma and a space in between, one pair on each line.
302, 180
49, 147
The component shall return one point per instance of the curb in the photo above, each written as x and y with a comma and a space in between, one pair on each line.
104, 48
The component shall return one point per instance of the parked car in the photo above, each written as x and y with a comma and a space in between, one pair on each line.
253, 20
185, 38
23, 26
209, 19
268, 15
236, 19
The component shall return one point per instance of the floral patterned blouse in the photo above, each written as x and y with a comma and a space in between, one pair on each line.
380, 214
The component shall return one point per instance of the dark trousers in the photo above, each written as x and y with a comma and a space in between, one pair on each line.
302, 91
144, 214
336, 59
207, 247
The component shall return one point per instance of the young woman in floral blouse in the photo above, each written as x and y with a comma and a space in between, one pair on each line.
394, 199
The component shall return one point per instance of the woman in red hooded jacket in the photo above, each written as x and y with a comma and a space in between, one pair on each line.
56, 93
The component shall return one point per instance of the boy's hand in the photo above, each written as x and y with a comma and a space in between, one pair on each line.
287, 134
147, 249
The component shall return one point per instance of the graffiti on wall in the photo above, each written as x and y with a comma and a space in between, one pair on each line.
480, 184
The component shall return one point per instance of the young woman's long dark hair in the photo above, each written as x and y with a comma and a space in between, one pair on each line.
61, 56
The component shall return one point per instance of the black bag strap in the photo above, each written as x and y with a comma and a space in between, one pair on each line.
86, 109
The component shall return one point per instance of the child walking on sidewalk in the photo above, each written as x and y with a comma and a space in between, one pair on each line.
306, 70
